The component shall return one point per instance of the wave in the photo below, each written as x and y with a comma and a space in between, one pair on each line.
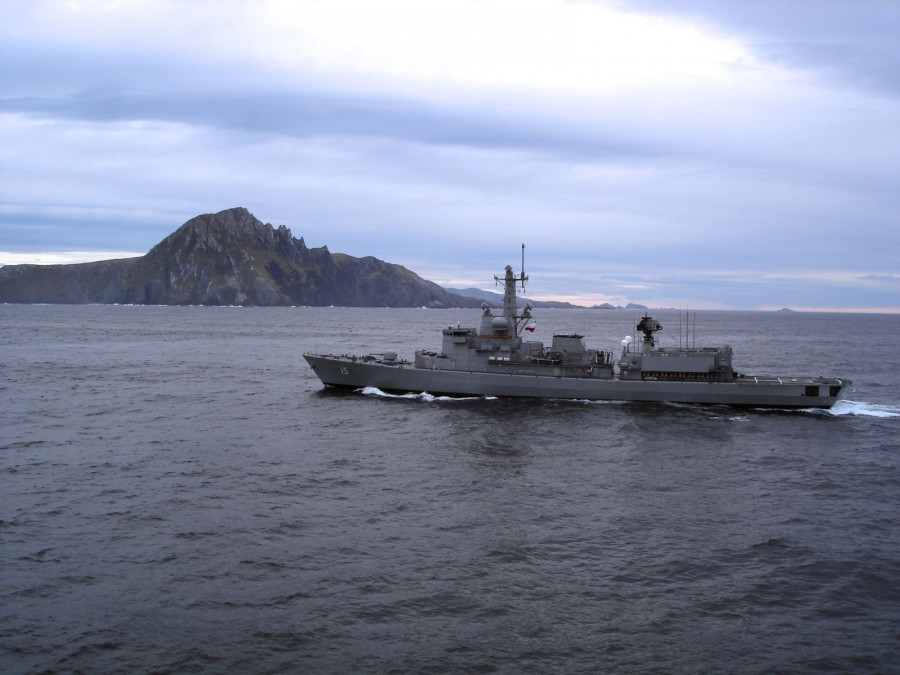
423, 396
863, 409
842, 408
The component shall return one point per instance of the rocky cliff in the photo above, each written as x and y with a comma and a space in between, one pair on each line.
96, 282
229, 258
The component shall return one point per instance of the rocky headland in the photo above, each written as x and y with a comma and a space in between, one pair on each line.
229, 258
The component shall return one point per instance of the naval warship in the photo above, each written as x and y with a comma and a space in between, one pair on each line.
494, 359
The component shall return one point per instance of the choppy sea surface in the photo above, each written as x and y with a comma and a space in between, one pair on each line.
179, 494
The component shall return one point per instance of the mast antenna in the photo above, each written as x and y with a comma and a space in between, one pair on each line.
522, 277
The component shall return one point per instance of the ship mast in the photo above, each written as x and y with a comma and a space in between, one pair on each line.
509, 296
522, 277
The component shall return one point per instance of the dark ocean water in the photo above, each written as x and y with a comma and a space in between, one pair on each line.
180, 495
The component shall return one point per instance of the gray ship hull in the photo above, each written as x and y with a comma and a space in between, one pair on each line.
404, 377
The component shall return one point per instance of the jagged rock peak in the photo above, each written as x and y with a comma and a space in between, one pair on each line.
235, 221
225, 229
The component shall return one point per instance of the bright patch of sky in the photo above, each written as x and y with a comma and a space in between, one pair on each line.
702, 154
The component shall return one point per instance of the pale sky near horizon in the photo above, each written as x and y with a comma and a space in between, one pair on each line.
703, 154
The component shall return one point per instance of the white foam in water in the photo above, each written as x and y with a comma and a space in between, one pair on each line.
864, 409
841, 408
424, 396
375, 391
591, 401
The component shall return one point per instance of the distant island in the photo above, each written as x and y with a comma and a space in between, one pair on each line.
630, 305
496, 299
232, 258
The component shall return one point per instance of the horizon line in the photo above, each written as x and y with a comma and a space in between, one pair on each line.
76, 257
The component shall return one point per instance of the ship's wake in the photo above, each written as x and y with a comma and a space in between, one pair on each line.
842, 408
422, 396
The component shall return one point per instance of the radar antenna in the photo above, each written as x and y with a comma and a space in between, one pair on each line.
648, 326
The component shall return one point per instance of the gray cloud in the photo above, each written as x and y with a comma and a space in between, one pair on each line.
855, 42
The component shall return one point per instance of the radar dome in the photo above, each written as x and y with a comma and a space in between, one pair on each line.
500, 323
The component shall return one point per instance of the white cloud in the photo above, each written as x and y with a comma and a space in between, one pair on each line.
543, 46
537, 46
62, 257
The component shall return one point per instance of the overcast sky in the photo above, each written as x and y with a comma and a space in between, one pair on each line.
741, 154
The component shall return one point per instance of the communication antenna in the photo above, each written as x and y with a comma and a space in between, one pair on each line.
690, 329
522, 277
694, 332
